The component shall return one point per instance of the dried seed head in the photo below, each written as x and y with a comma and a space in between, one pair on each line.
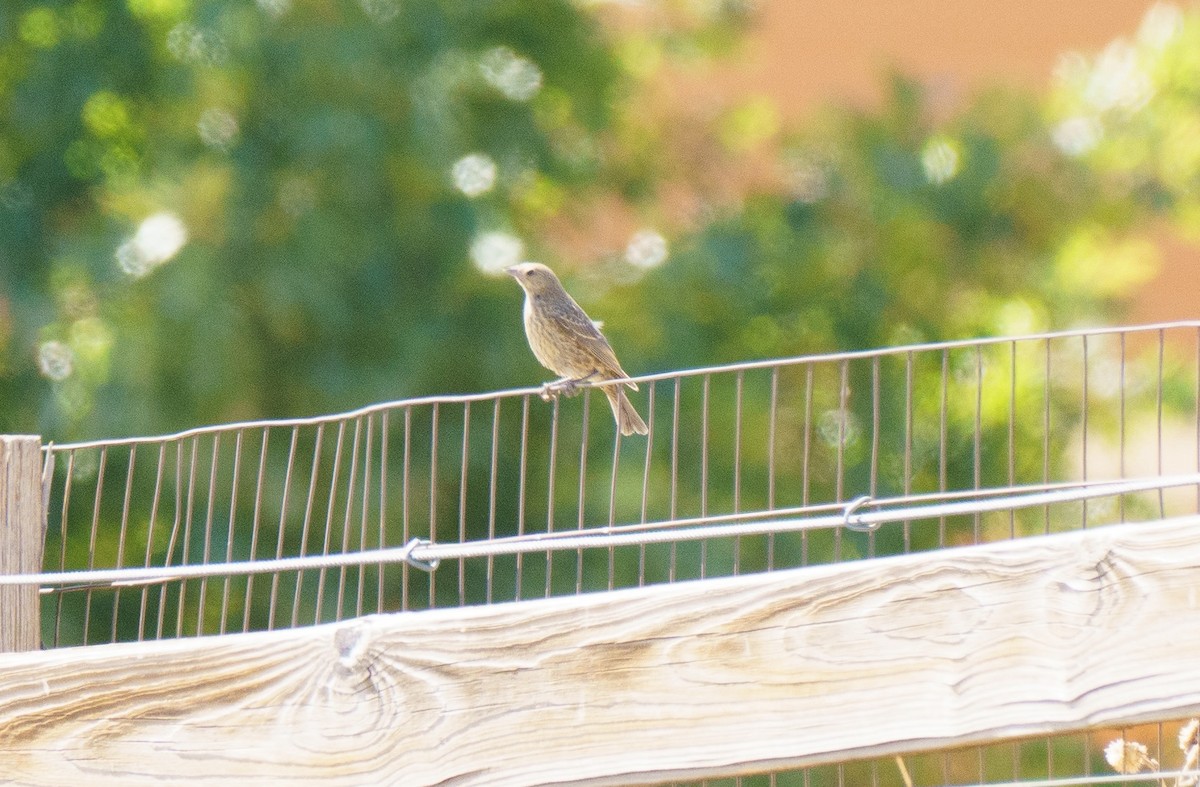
1129, 757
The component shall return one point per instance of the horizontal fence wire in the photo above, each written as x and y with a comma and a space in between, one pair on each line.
428, 556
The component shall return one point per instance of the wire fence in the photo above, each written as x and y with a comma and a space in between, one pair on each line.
751, 467
748, 467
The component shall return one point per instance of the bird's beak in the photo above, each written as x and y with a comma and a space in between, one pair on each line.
512, 271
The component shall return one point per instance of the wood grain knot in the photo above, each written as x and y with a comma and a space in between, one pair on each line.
1087, 597
351, 644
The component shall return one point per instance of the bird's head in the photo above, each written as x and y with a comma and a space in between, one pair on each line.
534, 277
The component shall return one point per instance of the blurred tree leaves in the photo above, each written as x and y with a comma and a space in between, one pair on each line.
336, 167
307, 149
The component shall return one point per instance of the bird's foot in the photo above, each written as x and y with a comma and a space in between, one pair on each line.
567, 386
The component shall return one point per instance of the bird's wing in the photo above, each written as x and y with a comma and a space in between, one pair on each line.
579, 326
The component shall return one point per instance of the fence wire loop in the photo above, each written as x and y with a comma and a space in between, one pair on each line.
424, 565
851, 522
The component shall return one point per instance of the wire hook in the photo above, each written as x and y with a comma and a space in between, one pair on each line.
857, 524
424, 565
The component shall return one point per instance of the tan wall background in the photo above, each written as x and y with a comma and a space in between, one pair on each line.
806, 53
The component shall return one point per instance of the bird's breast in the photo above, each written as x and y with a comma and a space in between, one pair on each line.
553, 343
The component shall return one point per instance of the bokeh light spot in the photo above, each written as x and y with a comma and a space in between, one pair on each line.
1117, 80
940, 160
750, 125
275, 8
56, 361
646, 249
92, 339
840, 425
474, 174
106, 114
193, 45
380, 10
494, 251
518, 78
217, 128
157, 240
39, 27
1078, 135
1161, 24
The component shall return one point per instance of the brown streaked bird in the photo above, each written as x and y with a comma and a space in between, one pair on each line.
567, 342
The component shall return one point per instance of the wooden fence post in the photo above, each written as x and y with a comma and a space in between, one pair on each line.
22, 522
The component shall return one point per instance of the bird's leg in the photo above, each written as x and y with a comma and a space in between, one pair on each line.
566, 386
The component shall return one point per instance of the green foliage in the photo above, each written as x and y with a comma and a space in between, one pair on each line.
307, 150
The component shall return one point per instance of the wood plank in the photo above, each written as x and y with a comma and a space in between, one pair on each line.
1030, 637
22, 536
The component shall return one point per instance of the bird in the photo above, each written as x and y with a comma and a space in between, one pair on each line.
566, 341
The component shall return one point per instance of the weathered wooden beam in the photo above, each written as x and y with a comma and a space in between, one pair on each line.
22, 536
1029, 637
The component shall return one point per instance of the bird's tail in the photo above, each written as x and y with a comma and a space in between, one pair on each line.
628, 420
